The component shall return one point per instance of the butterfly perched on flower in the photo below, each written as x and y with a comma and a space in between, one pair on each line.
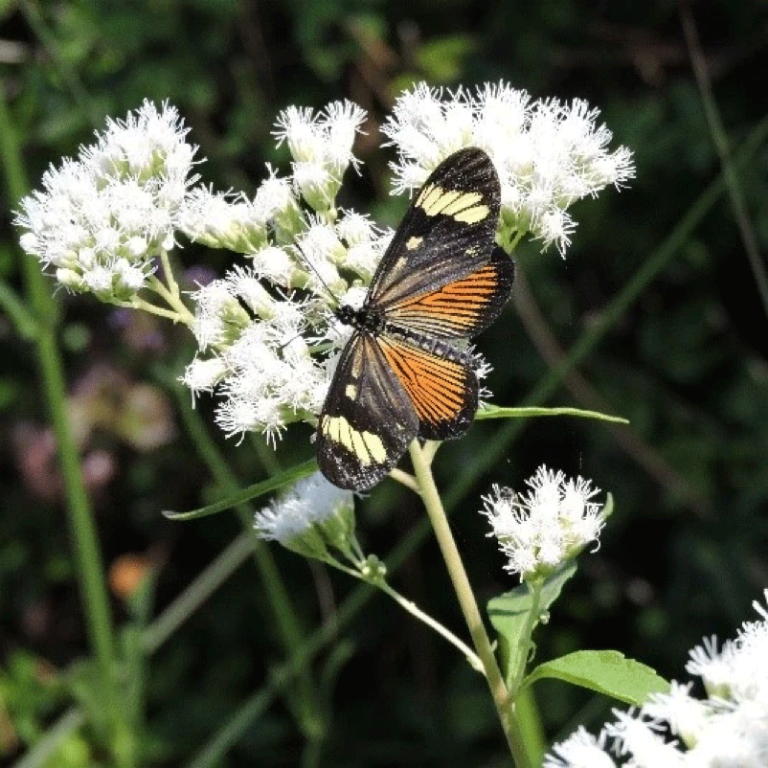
402, 375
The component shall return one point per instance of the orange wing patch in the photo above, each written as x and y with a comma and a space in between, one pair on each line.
443, 391
459, 309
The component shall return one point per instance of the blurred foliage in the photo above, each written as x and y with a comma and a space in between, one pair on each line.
685, 551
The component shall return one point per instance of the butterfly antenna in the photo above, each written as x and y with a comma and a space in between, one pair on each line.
312, 267
289, 342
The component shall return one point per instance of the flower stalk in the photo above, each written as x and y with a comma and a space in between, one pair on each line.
267, 334
501, 697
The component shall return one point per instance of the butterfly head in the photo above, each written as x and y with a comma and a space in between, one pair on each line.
363, 319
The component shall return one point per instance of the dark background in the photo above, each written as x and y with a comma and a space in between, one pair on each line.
685, 552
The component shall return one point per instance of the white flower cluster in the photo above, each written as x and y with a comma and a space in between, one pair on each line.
321, 147
544, 528
104, 217
258, 343
313, 518
261, 364
729, 729
548, 154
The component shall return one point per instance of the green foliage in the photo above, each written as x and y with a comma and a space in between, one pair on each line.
282, 480
495, 412
607, 672
516, 614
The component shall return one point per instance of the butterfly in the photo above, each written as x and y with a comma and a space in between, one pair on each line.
401, 374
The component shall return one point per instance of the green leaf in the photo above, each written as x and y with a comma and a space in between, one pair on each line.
608, 672
607, 509
443, 59
251, 492
498, 412
510, 615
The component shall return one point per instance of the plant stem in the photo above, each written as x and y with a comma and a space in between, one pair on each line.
414, 610
90, 567
23, 321
284, 614
720, 140
173, 298
520, 658
173, 286
434, 506
197, 592
141, 304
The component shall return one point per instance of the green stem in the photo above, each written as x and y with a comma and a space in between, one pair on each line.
174, 301
232, 730
23, 320
529, 717
184, 606
173, 286
521, 657
434, 506
90, 568
414, 610
152, 309
720, 139
56, 734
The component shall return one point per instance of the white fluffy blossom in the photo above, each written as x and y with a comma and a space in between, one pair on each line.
267, 336
541, 529
267, 355
321, 147
101, 219
581, 750
313, 518
548, 154
261, 363
729, 729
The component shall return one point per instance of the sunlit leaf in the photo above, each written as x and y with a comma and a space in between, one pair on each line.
510, 615
498, 412
607, 672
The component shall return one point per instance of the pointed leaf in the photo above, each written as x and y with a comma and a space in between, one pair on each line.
498, 412
607, 672
251, 492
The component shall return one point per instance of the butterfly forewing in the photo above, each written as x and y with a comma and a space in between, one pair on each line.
447, 232
400, 377
366, 424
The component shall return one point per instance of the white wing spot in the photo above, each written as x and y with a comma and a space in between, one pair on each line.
367, 447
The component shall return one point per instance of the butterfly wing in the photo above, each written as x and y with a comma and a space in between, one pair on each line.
440, 278
461, 308
367, 421
447, 233
441, 385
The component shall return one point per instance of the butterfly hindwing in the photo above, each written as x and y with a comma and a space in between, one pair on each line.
447, 232
442, 387
367, 421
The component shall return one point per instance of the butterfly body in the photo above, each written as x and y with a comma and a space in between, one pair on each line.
404, 373
365, 320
